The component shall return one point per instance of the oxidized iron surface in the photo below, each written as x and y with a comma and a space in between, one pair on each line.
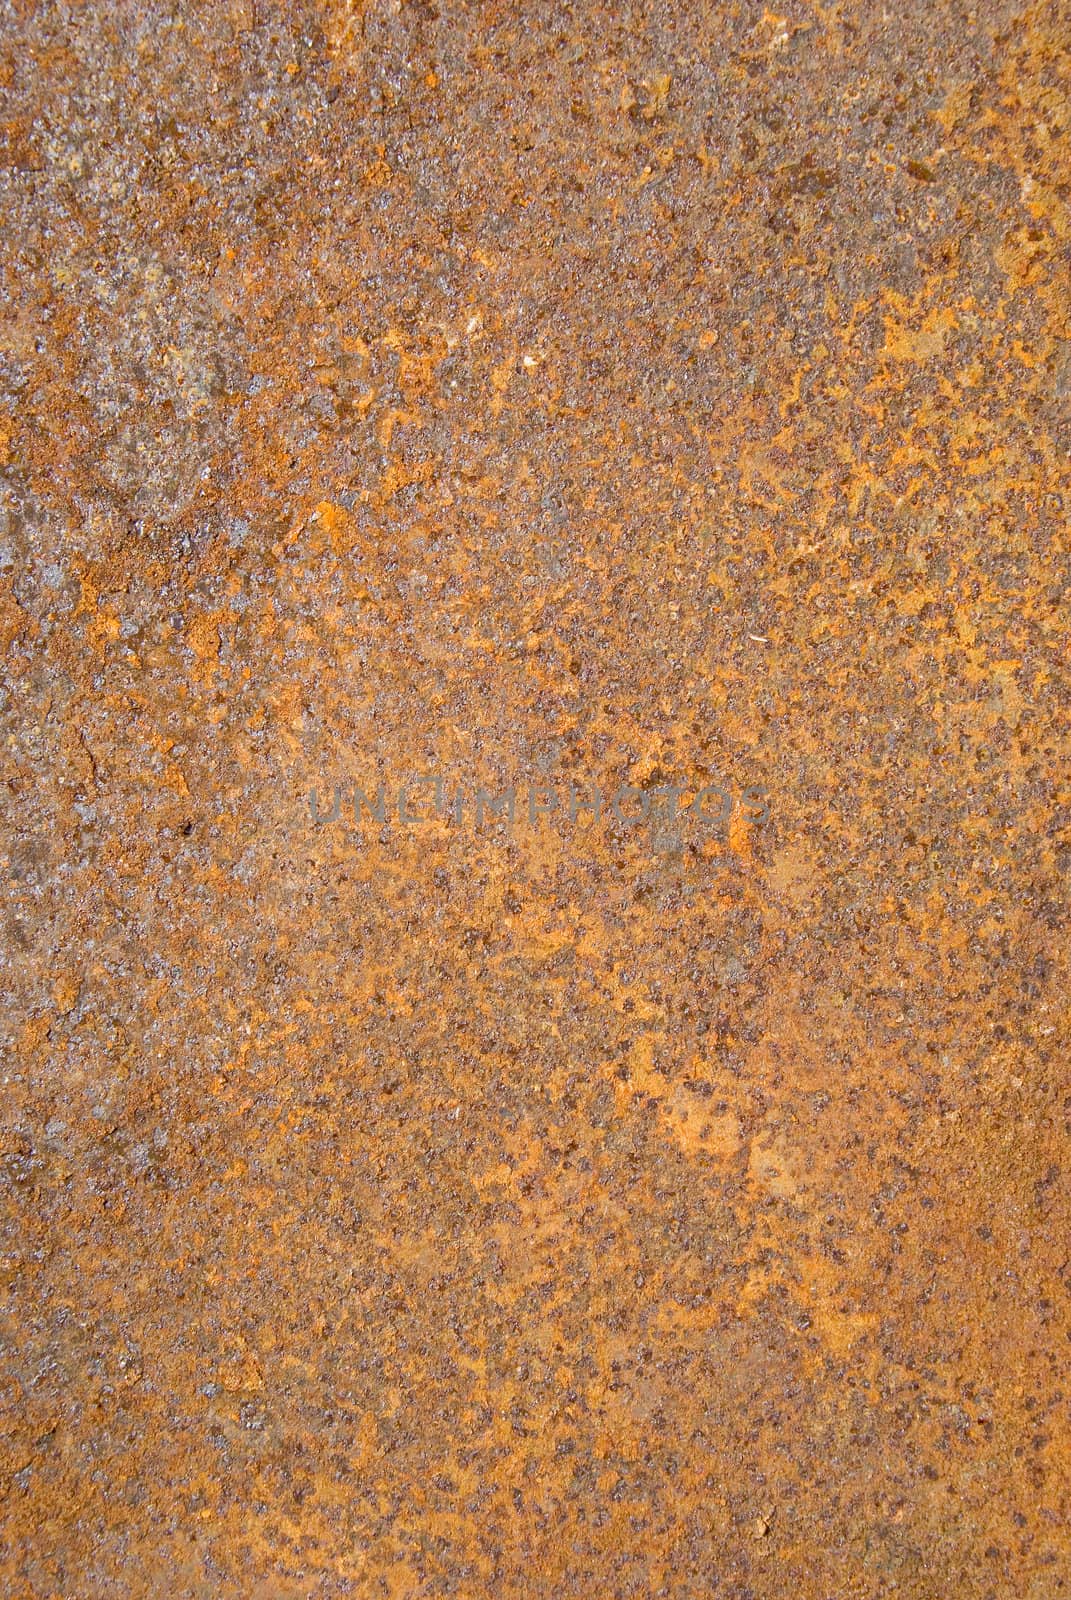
546, 394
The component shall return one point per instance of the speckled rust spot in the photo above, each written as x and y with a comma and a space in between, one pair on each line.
535, 395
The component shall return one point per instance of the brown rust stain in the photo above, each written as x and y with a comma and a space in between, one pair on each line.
548, 396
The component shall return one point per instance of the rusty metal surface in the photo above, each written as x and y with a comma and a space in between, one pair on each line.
535, 396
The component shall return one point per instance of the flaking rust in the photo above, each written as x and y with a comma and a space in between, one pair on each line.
517, 1203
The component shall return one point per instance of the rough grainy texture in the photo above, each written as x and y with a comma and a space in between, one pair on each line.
529, 395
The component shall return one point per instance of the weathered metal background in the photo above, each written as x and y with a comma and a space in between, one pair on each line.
538, 394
